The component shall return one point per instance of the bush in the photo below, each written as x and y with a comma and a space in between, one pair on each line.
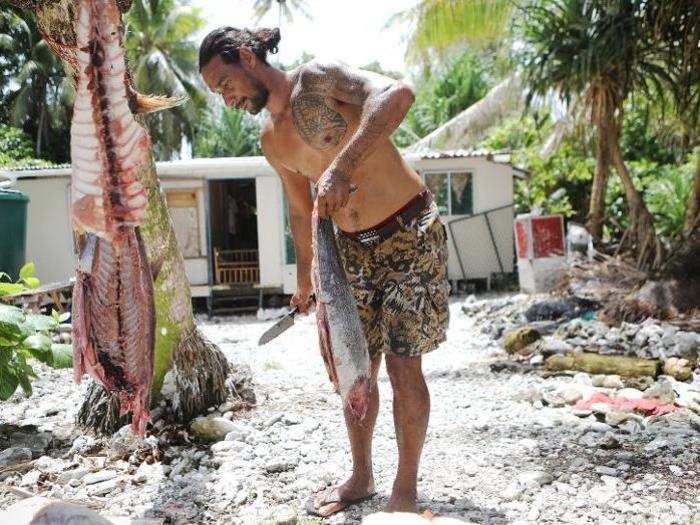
26, 281
24, 336
15, 145
559, 184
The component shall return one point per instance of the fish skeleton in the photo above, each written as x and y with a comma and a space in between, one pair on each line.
342, 341
108, 146
113, 301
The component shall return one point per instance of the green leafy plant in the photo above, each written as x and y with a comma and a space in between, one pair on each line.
26, 281
24, 336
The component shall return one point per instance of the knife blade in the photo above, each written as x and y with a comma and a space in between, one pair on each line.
285, 323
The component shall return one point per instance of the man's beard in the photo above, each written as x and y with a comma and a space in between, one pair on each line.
258, 102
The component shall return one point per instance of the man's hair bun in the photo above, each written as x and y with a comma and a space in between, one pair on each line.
271, 38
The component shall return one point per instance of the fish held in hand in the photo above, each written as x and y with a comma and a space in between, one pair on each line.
342, 341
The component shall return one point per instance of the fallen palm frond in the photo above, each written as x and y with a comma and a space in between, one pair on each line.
631, 295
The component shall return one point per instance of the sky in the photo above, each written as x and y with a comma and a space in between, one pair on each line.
350, 31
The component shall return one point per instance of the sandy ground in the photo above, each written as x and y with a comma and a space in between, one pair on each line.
492, 455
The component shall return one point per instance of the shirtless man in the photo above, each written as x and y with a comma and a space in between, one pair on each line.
331, 125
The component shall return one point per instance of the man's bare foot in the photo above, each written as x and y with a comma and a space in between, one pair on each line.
334, 500
401, 502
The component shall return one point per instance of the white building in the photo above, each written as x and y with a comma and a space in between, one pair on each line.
230, 219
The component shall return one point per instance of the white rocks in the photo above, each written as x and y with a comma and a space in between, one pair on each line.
223, 447
275, 467
630, 393
153, 473
661, 390
285, 516
98, 477
534, 478
212, 428
103, 488
607, 381
48, 464
675, 470
124, 441
83, 445
14, 455
30, 479
75, 474
606, 471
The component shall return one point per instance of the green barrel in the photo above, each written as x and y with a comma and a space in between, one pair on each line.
13, 231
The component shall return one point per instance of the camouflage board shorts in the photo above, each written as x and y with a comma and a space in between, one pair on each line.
400, 285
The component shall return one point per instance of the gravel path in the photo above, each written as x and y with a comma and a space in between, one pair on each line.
493, 453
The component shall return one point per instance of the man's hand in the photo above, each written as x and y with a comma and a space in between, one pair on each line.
303, 299
333, 192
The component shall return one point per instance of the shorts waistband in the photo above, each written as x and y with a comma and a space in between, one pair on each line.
393, 222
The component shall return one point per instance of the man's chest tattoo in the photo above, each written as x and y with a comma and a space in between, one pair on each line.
320, 126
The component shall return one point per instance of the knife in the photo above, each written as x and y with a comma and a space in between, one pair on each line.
285, 323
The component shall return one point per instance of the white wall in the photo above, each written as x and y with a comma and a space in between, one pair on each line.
49, 235
268, 193
492, 187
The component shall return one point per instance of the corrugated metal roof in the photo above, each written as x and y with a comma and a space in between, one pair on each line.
207, 165
461, 153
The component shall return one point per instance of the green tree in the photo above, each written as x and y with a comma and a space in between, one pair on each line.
35, 93
594, 50
163, 55
227, 133
447, 92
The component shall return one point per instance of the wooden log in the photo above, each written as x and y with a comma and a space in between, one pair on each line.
604, 364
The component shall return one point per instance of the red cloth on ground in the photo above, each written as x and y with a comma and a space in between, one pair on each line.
649, 407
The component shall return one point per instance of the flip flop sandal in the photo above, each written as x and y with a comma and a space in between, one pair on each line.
325, 504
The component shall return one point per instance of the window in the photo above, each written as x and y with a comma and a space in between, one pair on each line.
461, 193
290, 256
437, 182
184, 211
453, 192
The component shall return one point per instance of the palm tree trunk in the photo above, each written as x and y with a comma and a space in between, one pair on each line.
641, 233
40, 130
596, 212
693, 213
189, 372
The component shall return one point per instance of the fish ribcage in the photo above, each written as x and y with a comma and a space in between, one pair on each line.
122, 313
108, 146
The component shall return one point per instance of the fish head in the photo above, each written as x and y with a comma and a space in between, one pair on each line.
358, 398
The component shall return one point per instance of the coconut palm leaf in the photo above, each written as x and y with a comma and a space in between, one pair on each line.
436, 26
287, 9
163, 55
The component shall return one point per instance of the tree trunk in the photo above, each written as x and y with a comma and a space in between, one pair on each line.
189, 372
641, 233
596, 212
604, 364
691, 216
40, 130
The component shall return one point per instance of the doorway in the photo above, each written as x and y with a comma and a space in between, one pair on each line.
234, 232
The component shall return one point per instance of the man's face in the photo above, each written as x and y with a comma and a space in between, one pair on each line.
237, 87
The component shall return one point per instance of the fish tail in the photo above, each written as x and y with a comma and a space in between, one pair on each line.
140, 103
